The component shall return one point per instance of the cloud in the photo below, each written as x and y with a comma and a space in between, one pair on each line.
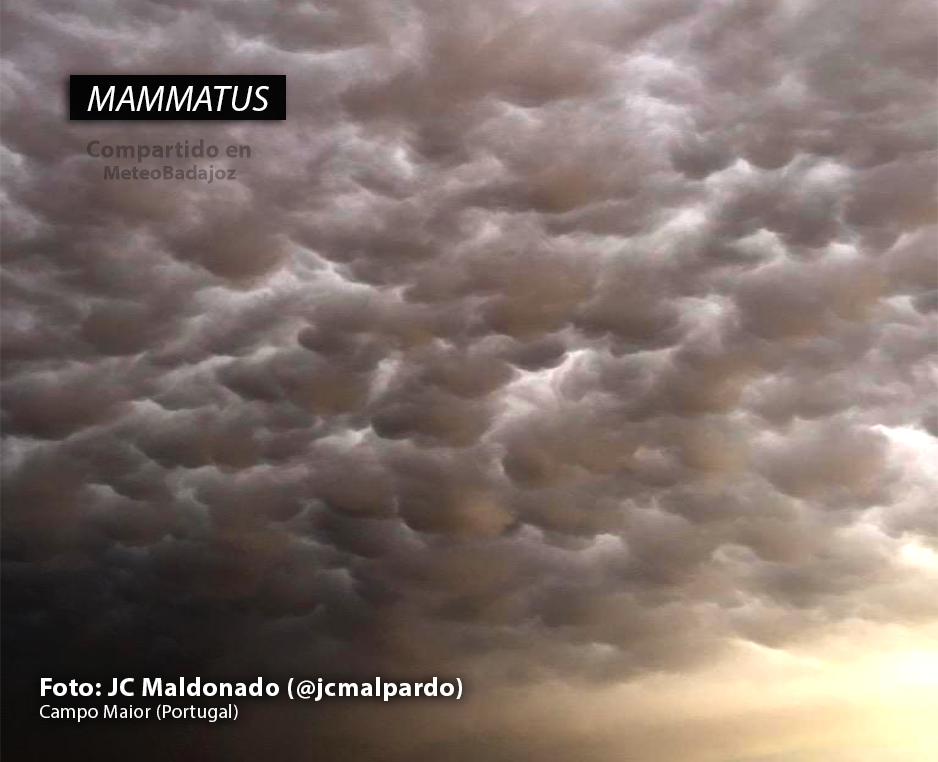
542, 344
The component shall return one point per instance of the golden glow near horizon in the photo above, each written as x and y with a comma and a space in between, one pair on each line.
868, 696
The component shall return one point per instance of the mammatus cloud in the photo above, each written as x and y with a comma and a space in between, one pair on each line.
584, 351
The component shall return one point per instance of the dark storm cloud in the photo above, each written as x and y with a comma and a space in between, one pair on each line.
538, 341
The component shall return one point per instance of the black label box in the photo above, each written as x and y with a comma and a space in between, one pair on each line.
195, 97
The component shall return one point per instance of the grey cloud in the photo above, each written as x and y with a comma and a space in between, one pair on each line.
539, 343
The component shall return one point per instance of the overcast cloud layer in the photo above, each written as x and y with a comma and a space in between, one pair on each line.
561, 346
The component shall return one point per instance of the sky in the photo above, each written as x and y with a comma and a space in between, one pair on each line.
585, 351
